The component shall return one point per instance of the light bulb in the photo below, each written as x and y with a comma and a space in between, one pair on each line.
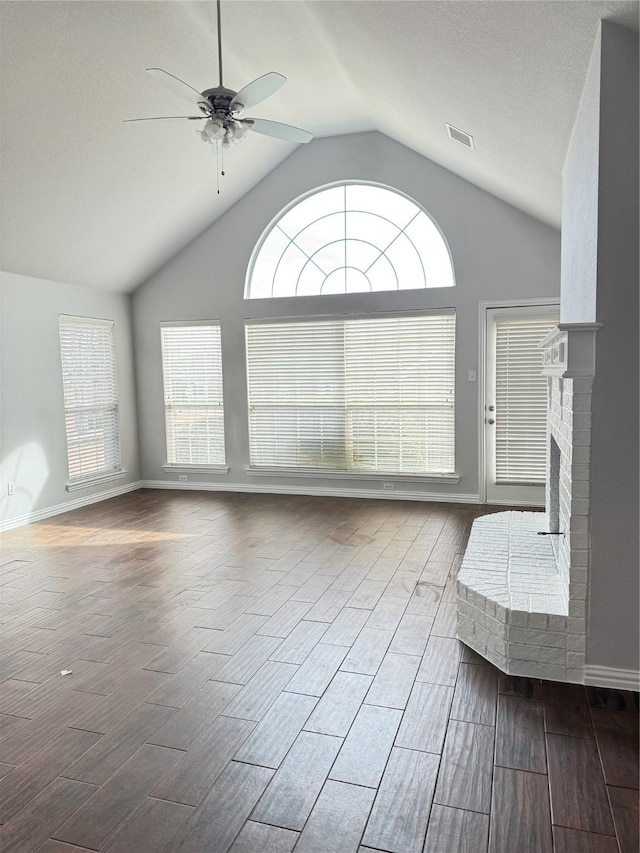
213, 128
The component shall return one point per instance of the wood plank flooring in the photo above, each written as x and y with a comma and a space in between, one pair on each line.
268, 674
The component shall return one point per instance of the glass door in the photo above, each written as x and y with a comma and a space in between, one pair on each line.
515, 405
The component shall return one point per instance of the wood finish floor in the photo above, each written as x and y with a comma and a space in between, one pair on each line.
264, 674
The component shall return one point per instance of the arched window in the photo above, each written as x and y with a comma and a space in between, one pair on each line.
349, 238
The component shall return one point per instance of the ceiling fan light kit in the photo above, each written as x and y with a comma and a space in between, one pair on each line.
222, 108
227, 133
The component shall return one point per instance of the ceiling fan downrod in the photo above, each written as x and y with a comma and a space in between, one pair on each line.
219, 45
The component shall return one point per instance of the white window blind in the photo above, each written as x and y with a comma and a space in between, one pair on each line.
194, 413
369, 395
521, 400
87, 349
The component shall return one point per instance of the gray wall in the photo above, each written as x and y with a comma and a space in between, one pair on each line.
614, 589
34, 448
498, 253
580, 206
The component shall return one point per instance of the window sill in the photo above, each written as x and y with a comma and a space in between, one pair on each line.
94, 480
353, 475
540, 483
198, 469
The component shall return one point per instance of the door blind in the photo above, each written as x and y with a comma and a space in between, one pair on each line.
370, 395
87, 349
521, 401
192, 375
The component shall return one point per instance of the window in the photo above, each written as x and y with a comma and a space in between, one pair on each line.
349, 238
192, 374
87, 349
356, 395
521, 400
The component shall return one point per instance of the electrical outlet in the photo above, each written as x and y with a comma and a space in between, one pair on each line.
388, 487
182, 478
11, 488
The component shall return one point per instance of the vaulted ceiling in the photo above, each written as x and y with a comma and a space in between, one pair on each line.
89, 200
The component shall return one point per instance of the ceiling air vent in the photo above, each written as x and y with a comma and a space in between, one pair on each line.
460, 136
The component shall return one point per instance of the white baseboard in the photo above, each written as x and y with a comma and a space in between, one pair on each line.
607, 676
515, 503
76, 503
314, 491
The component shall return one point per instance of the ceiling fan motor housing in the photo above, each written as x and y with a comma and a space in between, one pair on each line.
219, 100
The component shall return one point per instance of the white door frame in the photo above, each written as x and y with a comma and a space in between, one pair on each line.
483, 307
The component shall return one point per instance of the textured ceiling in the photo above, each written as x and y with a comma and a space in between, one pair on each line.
89, 200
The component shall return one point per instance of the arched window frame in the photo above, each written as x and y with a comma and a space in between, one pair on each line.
275, 222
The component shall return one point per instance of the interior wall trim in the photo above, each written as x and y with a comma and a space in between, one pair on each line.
608, 676
314, 491
76, 503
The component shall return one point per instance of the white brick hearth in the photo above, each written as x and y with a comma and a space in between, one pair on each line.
512, 604
522, 595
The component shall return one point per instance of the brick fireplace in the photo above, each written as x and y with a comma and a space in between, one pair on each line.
523, 584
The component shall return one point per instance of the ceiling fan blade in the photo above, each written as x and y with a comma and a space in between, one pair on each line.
279, 130
258, 90
165, 118
176, 85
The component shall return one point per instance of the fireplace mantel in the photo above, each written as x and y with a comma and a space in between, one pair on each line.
578, 359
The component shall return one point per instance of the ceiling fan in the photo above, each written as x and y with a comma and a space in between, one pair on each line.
222, 109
